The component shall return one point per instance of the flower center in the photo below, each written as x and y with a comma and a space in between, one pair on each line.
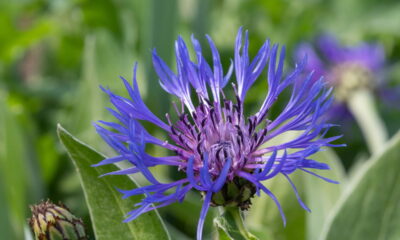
218, 132
222, 150
214, 134
348, 77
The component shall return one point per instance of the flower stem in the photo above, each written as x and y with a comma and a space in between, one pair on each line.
362, 105
235, 212
232, 224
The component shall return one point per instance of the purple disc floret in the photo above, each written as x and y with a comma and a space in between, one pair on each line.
224, 154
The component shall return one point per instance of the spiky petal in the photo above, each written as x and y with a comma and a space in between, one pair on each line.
225, 155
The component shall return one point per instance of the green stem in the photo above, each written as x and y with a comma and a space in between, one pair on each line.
231, 222
362, 105
237, 217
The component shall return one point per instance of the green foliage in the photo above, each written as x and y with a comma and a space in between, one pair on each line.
321, 197
54, 54
13, 174
107, 208
263, 218
6, 227
176, 215
370, 209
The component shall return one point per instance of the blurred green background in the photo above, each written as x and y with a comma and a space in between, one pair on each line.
55, 53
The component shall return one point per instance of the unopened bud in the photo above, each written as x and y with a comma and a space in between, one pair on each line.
51, 222
236, 193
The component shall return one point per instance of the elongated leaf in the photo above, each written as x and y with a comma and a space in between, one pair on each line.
264, 219
159, 21
5, 223
371, 209
107, 209
100, 67
13, 169
321, 196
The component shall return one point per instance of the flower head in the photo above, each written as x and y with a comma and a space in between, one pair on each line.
345, 68
224, 154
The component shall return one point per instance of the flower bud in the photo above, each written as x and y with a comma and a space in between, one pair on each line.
236, 193
50, 222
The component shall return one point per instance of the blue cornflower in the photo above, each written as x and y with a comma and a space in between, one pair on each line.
223, 154
346, 68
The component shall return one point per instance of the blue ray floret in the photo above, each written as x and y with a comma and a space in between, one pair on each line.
212, 141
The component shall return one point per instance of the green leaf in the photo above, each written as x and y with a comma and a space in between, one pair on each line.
264, 219
370, 207
321, 196
107, 208
5, 223
230, 225
47, 150
13, 168
159, 20
99, 68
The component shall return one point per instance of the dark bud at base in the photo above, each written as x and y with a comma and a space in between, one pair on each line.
51, 222
235, 193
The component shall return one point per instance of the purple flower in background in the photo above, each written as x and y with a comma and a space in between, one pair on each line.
225, 155
345, 68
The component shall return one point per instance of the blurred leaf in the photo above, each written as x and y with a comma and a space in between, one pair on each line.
231, 223
106, 207
175, 233
100, 67
6, 228
264, 219
363, 17
87, 111
46, 147
371, 209
160, 23
320, 195
176, 215
201, 21
94, 12
384, 20
17, 37
13, 168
